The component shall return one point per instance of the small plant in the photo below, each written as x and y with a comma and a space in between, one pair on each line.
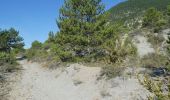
155, 40
8, 62
118, 50
155, 88
112, 70
153, 60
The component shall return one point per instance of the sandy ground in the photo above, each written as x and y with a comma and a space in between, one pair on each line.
75, 82
143, 46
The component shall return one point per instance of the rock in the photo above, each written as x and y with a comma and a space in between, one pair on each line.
159, 72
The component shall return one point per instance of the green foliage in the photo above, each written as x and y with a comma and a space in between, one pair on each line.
10, 44
38, 55
156, 40
51, 37
153, 19
30, 53
35, 50
85, 35
10, 39
154, 87
18, 51
153, 60
36, 45
112, 70
130, 12
81, 26
7, 62
4, 57
168, 10
168, 14
117, 47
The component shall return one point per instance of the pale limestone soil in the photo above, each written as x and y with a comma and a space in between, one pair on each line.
76, 82
143, 46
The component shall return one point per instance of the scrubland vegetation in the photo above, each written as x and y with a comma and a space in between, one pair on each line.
89, 34
10, 45
85, 35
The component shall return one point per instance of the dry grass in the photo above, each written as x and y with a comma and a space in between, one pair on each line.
153, 60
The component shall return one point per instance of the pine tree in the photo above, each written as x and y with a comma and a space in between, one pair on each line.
10, 39
80, 27
51, 37
36, 45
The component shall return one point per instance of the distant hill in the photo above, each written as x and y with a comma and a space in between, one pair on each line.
131, 11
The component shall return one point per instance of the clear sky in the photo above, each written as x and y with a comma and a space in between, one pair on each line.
34, 18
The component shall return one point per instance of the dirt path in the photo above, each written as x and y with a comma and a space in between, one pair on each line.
38, 83
75, 82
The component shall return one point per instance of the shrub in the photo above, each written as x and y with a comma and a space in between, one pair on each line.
118, 50
10, 40
156, 40
6, 58
10, 44
154, 60
30, 54
36, 51
155, 87
112, 70
8, 62
153, 19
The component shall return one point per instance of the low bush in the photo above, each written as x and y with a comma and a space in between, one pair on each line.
154, 20
118, 51
156, 40
155, 87
36, 52
8, 62
153, 60
112, 70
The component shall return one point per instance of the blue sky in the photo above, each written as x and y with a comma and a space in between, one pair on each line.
34, 18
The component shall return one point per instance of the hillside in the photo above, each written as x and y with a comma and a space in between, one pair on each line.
90, 57
132, 10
